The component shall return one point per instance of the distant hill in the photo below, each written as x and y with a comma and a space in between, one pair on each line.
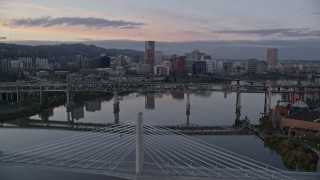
14, 51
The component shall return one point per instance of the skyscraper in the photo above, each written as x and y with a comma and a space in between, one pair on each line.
272, 57
104, 61
149, 54
82, 62
157, 57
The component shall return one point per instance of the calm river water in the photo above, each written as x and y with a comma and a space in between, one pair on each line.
162, 108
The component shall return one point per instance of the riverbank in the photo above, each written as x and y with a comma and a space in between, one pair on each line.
295, 155
14, 111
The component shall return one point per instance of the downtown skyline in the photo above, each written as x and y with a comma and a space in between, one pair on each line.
246, 23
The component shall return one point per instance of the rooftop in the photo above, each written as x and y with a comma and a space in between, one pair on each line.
306, 115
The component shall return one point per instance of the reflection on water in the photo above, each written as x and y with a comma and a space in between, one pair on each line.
93, 105
167, 108
177, 95
149, 101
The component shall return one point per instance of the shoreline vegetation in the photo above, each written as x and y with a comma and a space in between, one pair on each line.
295, 154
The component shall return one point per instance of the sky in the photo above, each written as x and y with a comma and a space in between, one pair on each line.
160, 20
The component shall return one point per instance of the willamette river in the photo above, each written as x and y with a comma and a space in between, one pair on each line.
161, 108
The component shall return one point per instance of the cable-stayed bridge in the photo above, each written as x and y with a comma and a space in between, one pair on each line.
143, 150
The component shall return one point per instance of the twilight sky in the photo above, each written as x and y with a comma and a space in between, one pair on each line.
160, 20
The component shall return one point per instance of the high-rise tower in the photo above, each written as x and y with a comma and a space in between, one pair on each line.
149, 54
272, 57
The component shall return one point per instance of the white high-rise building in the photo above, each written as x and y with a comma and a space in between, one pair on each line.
42, 63
27, 62
157, 57
210, 66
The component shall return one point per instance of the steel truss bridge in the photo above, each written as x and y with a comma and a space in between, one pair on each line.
139, 149
136, 86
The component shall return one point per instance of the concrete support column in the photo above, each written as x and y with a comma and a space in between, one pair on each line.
269, 99
68, 114
188, 109
139, 145
18, 96
68, 98
40, 94
1, 98
11, 97
238, 107
116, 108
265, 109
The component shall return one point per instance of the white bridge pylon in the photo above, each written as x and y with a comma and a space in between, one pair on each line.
141, 149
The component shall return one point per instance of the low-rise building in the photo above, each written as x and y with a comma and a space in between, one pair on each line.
304, 124
143, 69
75, 78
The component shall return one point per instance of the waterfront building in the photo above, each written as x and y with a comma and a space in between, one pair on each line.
252, 66
272, 57
167, 64
303, 125
91, 78
75, 78
161, 70
157, 57
227, 66
119, 71
199, 67
262, 67
197, 55
210, 66
178, 65
188, 65
149, 54
143, 69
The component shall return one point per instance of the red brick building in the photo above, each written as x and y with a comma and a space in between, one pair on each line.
178, 65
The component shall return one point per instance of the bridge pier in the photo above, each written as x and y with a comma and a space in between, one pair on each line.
18, 96
238, 108
68, 98
116, 108
188, 110
265, 104
40, 94
269, 99
139, 145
